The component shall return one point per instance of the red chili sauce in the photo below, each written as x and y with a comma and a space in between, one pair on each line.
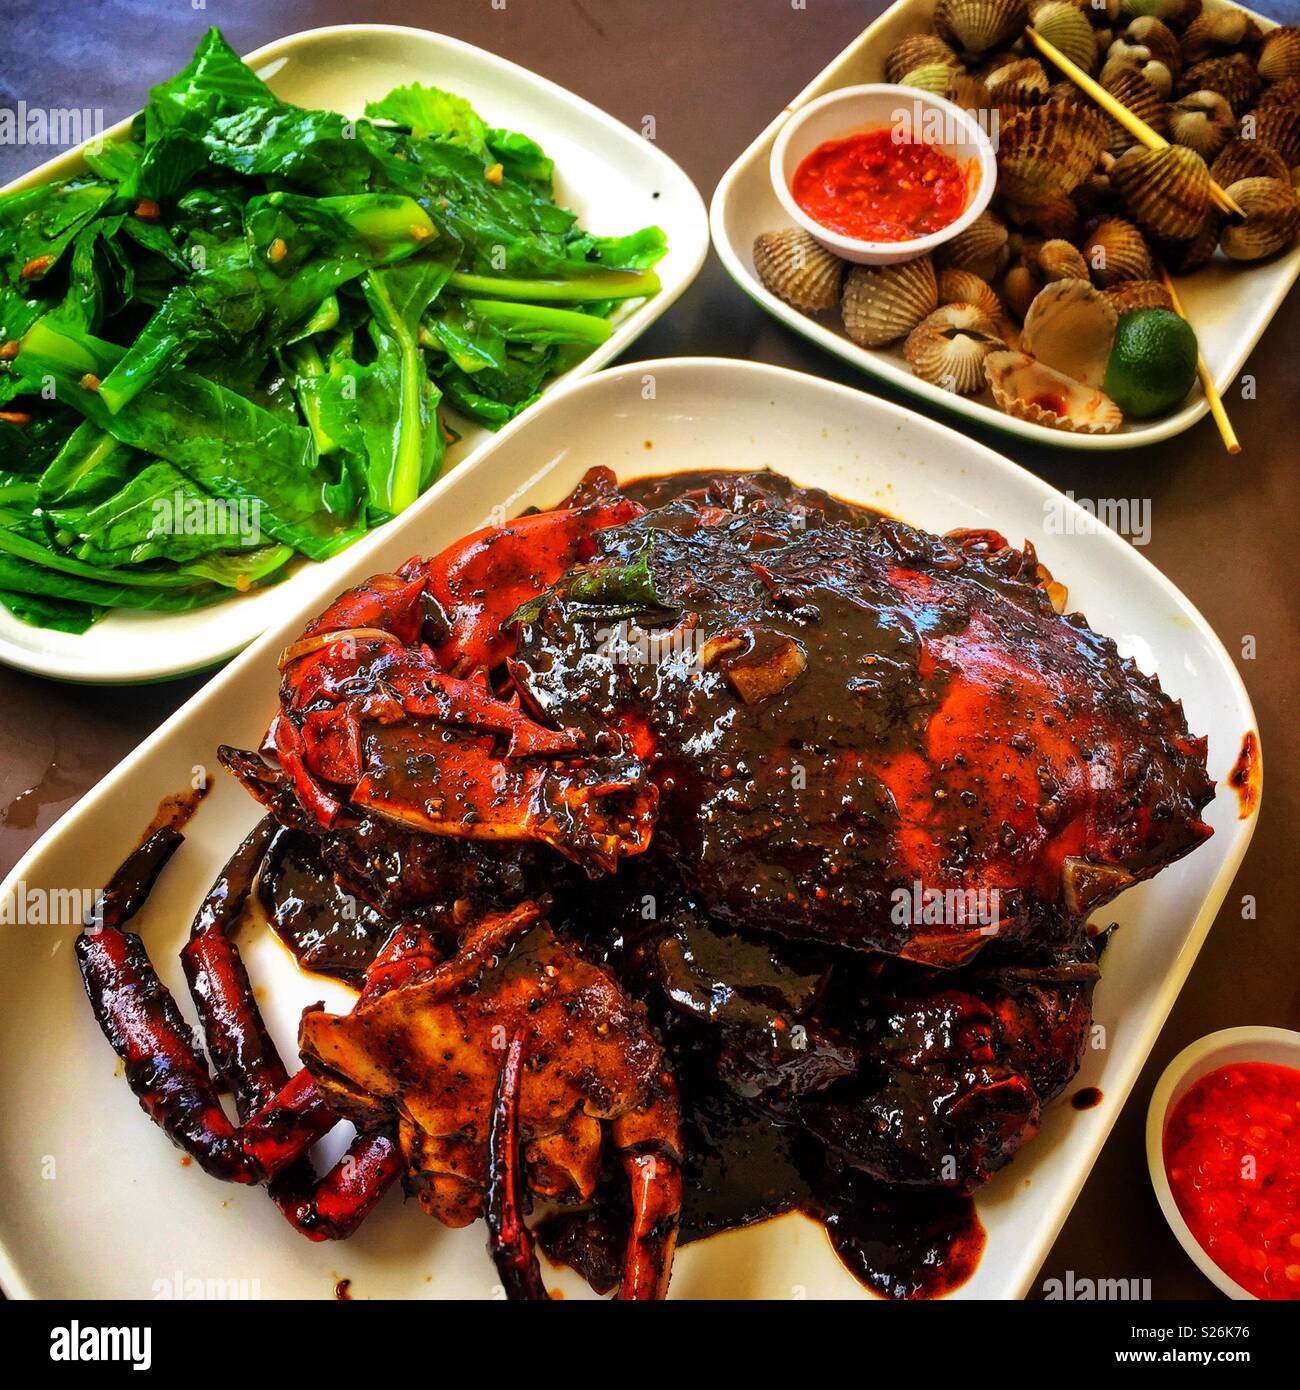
1232, 1152
875, 188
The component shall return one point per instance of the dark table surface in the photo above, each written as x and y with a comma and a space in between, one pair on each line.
712, 73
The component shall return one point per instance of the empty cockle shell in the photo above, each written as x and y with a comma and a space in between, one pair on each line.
1031, 390
1233, 76
884, 303
1272, 219
930, 77
1214, 32
1278, 127
1021, 82
949, 346
1279, 54
799, 269
1064, 25
1167, 191
976, 26
1283, 93
1059, 260
1129, 295
1247, 159
1114, 251
1020, 287
981, 247
916, 51
965, 287
1133, 91
1070, 326
1203, 121
1047, 151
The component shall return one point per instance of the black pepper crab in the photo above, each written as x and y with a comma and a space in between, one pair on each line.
790, 725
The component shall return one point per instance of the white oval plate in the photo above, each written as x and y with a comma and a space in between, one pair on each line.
613, 179
1229, 306
97, 1202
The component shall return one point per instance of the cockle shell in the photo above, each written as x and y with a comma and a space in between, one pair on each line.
1020, 287
884, 303
1115, 251
1283, 93
929, 77
965, 287
1132, 90
1194, 251
1167, 191
1065, 25
1247, 159
1214, 32
1070, 326
980, 248
1148, 39
1272, 219
1047, 151
1278, 127
916, 51
976, 26
798, 269
1021, 82
1203, 121
1033, 391
968, 92
1156, 73
1138, 294
949, 346
1177, 14
1232, 76
1059, 260
1279, 54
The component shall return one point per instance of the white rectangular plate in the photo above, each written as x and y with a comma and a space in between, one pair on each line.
1229, 306
614, 180
97, 1202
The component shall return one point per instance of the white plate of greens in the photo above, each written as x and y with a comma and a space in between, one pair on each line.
243, 329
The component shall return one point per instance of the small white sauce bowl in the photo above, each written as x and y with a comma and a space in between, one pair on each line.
1279, 1046
851, 110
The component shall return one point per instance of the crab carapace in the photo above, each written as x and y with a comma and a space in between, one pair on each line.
871, 782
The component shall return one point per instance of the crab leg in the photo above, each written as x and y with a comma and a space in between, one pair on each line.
140, 1019
510, 1242
332, 1207
238, 1043
649, 1141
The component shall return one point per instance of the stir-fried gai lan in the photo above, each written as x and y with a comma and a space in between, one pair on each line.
649, 799
233, 338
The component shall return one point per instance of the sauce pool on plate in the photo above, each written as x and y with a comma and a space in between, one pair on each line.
873, 187
1232, 1153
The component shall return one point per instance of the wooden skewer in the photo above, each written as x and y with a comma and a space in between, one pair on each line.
1135, 125
1230, 441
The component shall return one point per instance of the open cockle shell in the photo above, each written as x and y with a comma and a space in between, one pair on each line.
1032, 391
1021, 82
1215, 32
884, 303
1271, 222
799, 269
1047, 151
1167, 191
977, 26
1116, 250
949, 346
1203, 121
1070, 326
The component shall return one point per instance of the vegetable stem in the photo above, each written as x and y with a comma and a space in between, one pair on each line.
585, 287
